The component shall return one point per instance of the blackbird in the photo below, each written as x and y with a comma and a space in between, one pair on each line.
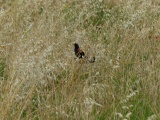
80, 54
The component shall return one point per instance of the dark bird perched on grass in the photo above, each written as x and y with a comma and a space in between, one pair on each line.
80, 54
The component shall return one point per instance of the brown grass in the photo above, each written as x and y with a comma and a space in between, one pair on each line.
42, 80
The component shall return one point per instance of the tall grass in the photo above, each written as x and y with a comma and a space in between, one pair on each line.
42, 80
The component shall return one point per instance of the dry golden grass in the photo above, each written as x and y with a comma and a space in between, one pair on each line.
41, 78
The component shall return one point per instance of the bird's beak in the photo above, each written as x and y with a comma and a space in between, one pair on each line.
74, 43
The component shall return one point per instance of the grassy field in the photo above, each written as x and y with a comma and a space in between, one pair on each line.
41, 80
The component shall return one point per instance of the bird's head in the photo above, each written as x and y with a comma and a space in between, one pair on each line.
76, 45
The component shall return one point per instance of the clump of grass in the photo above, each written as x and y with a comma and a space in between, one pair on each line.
2, 67
44, 81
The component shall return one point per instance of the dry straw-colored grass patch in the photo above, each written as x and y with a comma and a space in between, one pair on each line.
42, 80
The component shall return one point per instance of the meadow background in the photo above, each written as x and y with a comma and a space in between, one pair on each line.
40, 79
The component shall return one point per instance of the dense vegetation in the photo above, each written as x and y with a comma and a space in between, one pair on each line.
40, 79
